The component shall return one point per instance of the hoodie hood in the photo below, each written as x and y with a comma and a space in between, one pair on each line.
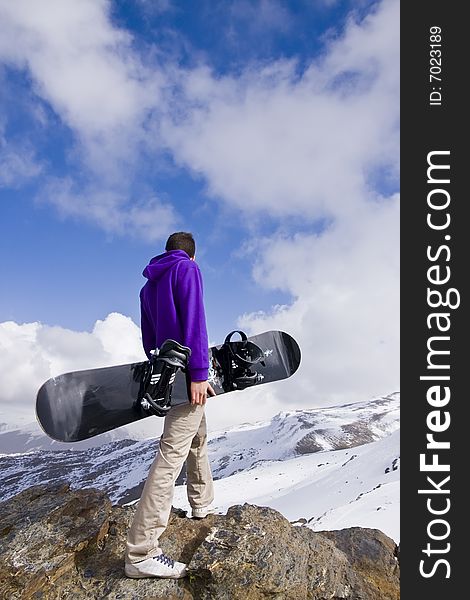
162, 263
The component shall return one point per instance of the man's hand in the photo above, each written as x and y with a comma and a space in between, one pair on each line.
199, 392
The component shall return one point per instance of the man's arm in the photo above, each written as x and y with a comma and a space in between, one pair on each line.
148, 334
193, 320
193, 323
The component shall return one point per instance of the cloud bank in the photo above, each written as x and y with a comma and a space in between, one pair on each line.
33, 352
345, 314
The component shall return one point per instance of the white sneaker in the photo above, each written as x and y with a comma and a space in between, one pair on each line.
201, 513
158, 566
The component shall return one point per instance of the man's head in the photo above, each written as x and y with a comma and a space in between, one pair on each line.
181, 240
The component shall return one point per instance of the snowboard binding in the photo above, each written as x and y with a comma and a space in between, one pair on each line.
237, 360
159, 377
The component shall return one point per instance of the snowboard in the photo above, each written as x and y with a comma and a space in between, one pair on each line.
79, 405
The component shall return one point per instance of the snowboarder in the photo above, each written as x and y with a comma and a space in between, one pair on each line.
172, 308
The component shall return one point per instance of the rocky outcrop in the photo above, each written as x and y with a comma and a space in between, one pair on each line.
57, 543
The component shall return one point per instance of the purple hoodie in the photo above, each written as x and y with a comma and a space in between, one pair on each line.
172, 308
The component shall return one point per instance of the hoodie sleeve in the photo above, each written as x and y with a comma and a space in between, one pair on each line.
148, 333
193, 320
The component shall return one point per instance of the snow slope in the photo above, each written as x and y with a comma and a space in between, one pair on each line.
329, 489
120, 468
300, 432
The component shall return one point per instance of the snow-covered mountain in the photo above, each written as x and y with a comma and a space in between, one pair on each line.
332, 467
330, 489
29, 437
299, 432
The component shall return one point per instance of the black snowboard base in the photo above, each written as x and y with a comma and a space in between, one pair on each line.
79, 405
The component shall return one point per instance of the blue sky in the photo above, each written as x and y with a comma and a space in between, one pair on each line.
63, 271
268, 128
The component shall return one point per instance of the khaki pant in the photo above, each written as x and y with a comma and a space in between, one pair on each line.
184, 438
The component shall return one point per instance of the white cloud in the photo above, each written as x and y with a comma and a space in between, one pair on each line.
149, 220
33, 352
82, 65
87, 71
345, 312
271, 140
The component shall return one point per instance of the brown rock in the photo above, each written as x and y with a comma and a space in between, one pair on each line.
41, 531
374, 557
56, 543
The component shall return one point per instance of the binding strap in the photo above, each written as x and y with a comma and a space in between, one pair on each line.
244, 352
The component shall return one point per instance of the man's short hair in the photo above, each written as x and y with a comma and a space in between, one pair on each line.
182, 240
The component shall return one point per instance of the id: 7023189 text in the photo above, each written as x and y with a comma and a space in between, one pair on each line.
435, 65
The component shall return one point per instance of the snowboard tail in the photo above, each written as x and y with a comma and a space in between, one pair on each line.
79, 405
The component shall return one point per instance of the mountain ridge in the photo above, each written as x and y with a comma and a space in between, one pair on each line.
269, 457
